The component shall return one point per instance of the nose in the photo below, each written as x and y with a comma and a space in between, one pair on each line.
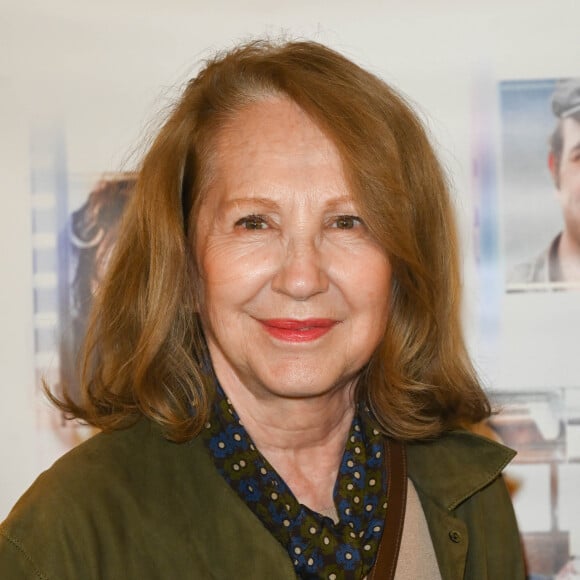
302, 273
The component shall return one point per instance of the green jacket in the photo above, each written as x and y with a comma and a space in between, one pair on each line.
131, 505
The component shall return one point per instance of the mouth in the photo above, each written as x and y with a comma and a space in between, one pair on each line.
292, 330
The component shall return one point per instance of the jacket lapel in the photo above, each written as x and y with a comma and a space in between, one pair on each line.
446, 472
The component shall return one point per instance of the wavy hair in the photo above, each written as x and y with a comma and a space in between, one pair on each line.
145, 353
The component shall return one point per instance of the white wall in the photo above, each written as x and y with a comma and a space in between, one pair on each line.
107, 69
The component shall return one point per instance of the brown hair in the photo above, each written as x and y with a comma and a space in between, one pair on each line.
145, 349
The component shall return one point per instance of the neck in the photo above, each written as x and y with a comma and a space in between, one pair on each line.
302, 438
569, 257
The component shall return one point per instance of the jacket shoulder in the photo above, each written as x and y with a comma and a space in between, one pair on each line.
456, 465
78, 502
131, 504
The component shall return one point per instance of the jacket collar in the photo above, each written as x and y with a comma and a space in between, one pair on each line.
455, 466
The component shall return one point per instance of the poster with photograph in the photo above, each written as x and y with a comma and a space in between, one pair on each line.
75, 220
540, 183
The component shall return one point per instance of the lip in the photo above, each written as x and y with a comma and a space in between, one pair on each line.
293, 330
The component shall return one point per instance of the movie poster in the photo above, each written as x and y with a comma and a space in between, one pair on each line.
540, 137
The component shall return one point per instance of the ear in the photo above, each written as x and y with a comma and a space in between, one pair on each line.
554, 169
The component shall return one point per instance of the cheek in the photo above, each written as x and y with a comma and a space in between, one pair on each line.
575, 192
374, 274
233, 275
370, 299
380, 299
380, 292
371, 286
225, 266
570, 182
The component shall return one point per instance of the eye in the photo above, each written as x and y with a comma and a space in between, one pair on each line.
346, 222
252, 222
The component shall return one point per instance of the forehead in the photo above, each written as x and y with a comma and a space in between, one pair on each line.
272, 127
269, 143
570, 134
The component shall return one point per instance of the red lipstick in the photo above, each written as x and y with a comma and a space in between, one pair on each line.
292, 330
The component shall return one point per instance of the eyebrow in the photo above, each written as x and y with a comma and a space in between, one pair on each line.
270, 204
264, 202
339, 201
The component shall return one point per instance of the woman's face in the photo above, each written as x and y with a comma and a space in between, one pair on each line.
294, 295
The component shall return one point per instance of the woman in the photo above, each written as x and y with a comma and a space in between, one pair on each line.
281, 314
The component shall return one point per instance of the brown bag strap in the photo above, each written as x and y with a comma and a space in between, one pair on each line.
388, 552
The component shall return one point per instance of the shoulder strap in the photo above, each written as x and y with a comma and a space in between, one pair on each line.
388, 552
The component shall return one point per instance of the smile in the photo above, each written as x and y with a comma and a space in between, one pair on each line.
292, 330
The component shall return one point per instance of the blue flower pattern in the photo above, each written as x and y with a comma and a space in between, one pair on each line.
317, 546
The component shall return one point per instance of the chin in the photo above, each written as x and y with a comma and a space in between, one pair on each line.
305, 384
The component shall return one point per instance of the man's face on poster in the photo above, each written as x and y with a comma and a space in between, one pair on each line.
567, 177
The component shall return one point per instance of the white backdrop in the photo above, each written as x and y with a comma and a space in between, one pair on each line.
107, 70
